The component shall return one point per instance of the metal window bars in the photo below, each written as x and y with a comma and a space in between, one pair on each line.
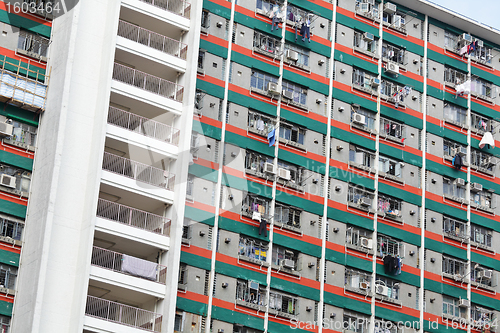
255, 204
354, 279
267, 44
394, 54
482, 160
390, 90
256, 162
179, 7
453, 189
123, 314
113, 261
454, 228
356, 322
133, 217
8, 278
260, 123
356, 195
454, 267
364, 81
477, 275
366, 45
455, 114
251, 292
389, 246
389, 207
392, 128
287, 215
361, 157
11, 229
353, 236
283, 304
481, 235
148, 82
480, 123
252, 248
454, 76
34, 45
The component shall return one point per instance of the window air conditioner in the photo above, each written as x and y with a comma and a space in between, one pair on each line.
480, 43
365, 201
460, 182
375, 82
382, 290
292, 55
359, 119
368, 37
364, 285
485, 274
390, 8
273, 88
287, 94
392, 68
476, 187
6, 129
365, 7
253, 285
467, 37
284, 173
464, 303
269, 168
8, 181
366, 242
463, 150
288, 263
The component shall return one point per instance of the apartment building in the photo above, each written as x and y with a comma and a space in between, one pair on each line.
337, 175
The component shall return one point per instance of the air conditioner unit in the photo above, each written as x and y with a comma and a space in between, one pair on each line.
8, 181
375, 82
392, 68
287, 94
460, 182
476, 187
6, 129
467, 37
464, 303
364, 285
398, 21
365, 201
253, 285
365, 7
390, 8
480, 43
382, 290
288, 263
368, 37
269, 168
366, 242
359, 119
284, 173
485, 274
273, 88
292, 55
462, 150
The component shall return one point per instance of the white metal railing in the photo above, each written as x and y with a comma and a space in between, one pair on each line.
142, 125
123, 314
180, 7
152, 39
148, 82
114, 261
138, 171
134, 217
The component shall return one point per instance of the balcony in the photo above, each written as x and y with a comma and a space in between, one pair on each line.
21, 91
179, 7
147, 87
139, 129
99, 311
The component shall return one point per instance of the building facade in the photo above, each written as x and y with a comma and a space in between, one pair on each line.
297, 165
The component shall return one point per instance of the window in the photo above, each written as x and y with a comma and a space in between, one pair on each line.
453, 189
179, 321
451, 40
365, 8
365, 42
480, 235
268, 44
261, 81
390, 89
482, 199
454, 76
360, 197
283, 304
483, 161
253, 248
389, 166
264, 5
353, 236
243, 329
253, 203
8, 275
454, 228
455, 114
451, 148
454, 267
296, 173
392, 129
365, 81
298, 94
302, 55
481, 316
361, 157
389, 246
251, 292
201, 60
4, 324
357, 280
182, 274
482, 275
356, 322
292, 133
11, 229
14, 179
189, 187
367, 118
393, 54
260, 122
389, 206
257, 163
284, 257
287, 215
480, 123
205, 20
34, 45
451, 308
481, 88
23, 135
391, 289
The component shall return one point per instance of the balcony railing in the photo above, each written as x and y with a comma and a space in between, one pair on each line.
179, 7
142, 125
121, 263
133, 217
148, 82
138, 171
123, 314
152, 39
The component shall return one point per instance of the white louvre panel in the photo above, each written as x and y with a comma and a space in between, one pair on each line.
269, 168
273, 88
8, 181
292, 55
288, 263
6, 129
288, 94
284, 173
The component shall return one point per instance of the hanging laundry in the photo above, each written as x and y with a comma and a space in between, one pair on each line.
256, 216
463, 50
271, 137
457, 161
260, 125
463, 88
305, 30
263, 227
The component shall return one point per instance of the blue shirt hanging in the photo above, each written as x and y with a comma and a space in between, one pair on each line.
271, 137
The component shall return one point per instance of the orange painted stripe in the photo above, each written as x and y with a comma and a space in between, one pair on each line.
6, 299
31, 17
234, 262
303, 237
12, 54
12, 198
10, 248
232, 306
193, 296
17, 151
353, 15
207, 163
409, 38
199, 251
202, 206
215, 40
209, 121
336, 247
222, 3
